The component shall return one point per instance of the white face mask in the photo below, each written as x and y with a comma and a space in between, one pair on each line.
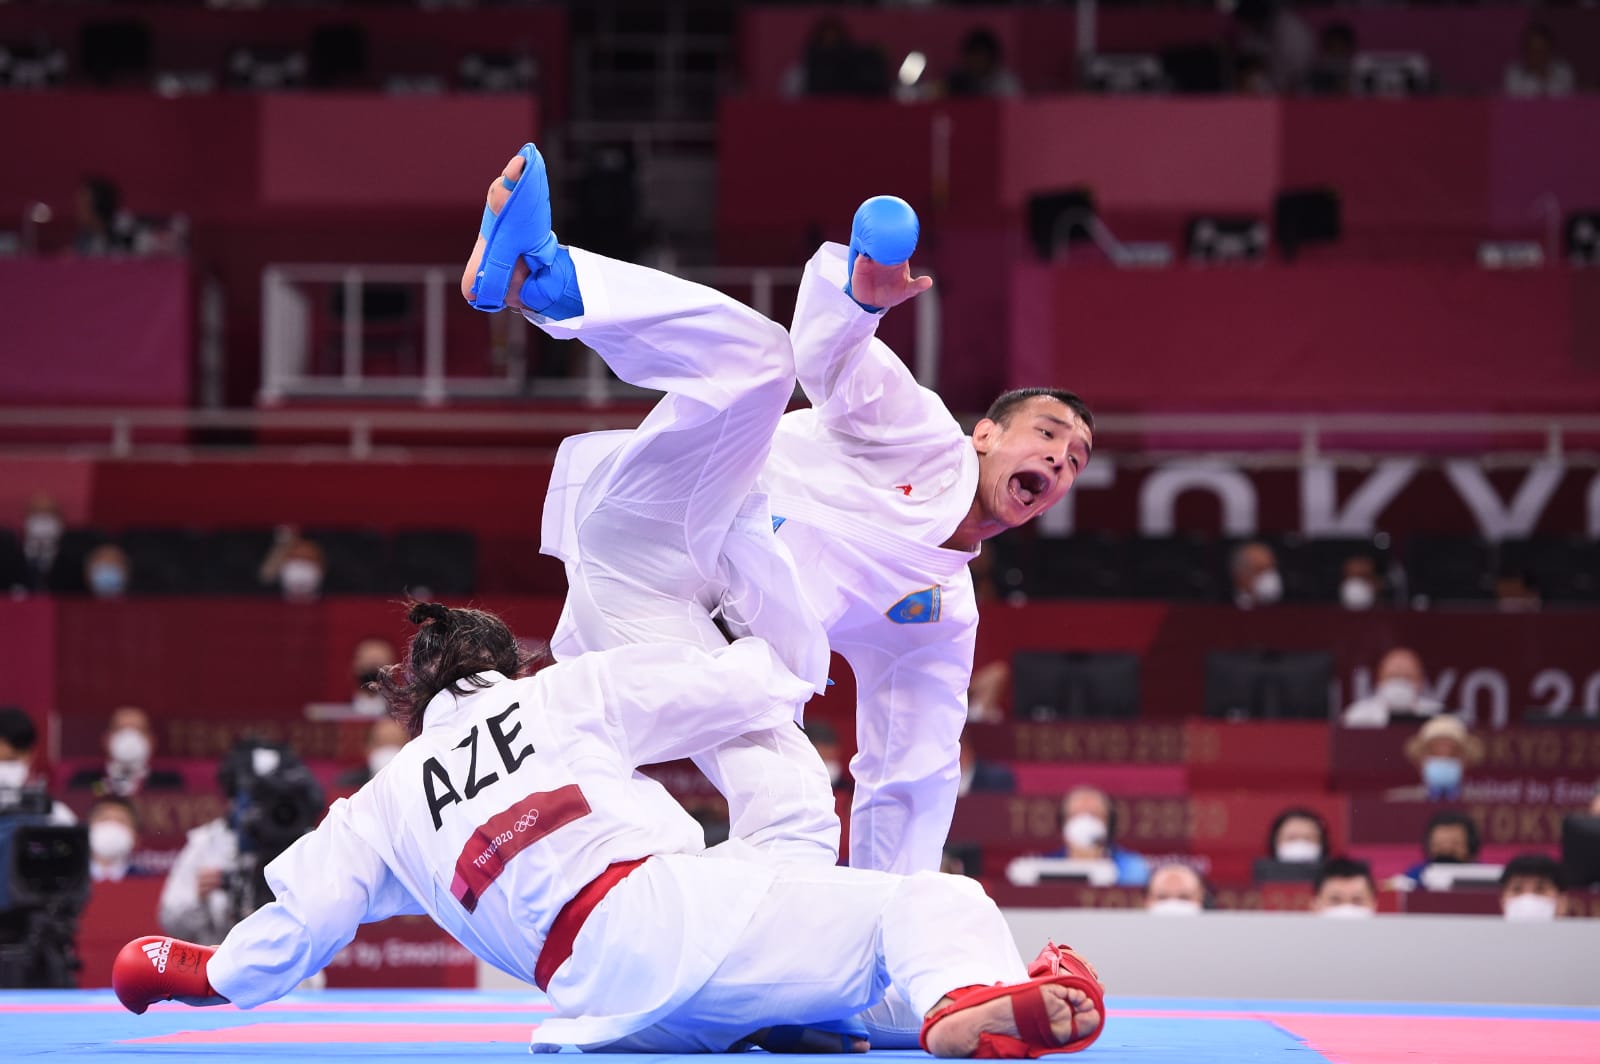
1084, 831
368, 704
379, 756
1347, 912
301, 577
13, 774
1357, 594
1267, 587
1397, 692
110, 840
41, 531
129, 746
1530, 908
1298, 851
1174, 907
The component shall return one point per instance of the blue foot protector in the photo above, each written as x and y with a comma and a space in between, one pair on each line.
522, 229
885, 230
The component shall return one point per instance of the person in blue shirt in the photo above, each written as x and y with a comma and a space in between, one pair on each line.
1451, 837
1089, 830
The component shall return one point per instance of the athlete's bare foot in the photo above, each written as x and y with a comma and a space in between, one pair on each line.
498, 194
957, 1034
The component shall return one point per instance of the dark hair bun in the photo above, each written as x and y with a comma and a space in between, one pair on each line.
428, 611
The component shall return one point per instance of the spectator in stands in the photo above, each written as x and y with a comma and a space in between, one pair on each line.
41, 539
107, 571
1175, 890
982, 70
113, 836
1270, 34
1400, 692
1442, 750
295, 565
1089, 829
982, 777
1256, 580
986, 694
1516, 591
1336, 54
1537, 71
371, 656
18, 737
1533, 888
1344, 888
835, 65
826, 740
1451, 837
384, 740
103, 228
1298, 836
129, 745
1361, 585
1594, 803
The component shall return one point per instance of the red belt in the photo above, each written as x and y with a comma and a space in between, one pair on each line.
569, 921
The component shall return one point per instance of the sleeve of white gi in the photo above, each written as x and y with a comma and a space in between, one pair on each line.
664, 701
327, 884
911, 704
857, 386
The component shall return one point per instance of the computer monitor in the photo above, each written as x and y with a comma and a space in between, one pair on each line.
1271, 870
1580, 848
1269, 684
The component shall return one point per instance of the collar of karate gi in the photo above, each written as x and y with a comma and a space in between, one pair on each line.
443, 704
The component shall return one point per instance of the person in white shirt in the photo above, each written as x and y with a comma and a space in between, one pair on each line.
1537, 71
517, 821
1400, 690
877, 497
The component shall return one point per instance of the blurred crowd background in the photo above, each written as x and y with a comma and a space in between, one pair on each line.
1317, 628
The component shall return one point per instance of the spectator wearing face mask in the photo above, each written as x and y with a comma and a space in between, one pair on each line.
1533, 888
129, 745
1089, 829
1401, 691
18, 737
295, 565
1175, 890
1442, 750
41, 539
107, 572
371, 656
1298, 836
384, 740
113, 836
1344, 889
1360, 586
1256, 580
1451, 837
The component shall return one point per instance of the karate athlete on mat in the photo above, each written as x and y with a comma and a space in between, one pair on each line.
876, 495
516, 821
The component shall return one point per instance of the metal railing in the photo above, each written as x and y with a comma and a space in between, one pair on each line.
289, 341
1261, 439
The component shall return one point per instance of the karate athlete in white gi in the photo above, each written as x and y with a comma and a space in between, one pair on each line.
877, 497
515, 819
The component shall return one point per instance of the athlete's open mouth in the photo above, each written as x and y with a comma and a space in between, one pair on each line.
1029, 486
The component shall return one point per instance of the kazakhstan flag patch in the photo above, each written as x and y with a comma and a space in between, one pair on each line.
919, 607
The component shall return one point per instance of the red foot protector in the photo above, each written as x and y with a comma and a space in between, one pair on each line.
1055, 966
156, 968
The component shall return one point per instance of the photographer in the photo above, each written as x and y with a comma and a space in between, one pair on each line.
44, 869
217, 879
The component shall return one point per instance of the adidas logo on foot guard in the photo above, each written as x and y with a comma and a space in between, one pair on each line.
157, 952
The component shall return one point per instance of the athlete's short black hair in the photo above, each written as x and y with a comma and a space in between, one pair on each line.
1007, 402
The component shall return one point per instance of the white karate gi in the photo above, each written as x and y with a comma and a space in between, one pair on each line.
516, 795
865, 487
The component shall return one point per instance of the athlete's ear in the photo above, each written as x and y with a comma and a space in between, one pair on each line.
984, 433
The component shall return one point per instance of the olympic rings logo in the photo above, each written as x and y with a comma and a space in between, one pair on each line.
527, 821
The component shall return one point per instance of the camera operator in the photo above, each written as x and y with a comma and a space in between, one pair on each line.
44, 869
217, 879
